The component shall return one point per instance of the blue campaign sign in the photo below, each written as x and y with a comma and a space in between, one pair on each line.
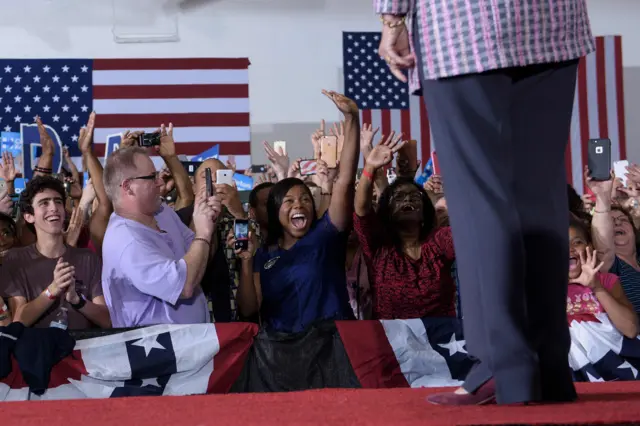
31, 148
19, 184
426, 174
243, 183
113, 143
213, 152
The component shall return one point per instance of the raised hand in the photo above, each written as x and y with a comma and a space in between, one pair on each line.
316, 137
130, 138
251, 247
324, 174
599, 188
75, 227
63, 276
205, 213
433, 185
85, 139
229, 197
590, 268
45, 138
231, 163
367, 133
279, 160
346, 105
294, 170
167, 146
7, 167
383, 153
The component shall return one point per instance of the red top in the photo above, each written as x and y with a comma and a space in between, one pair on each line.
404, 288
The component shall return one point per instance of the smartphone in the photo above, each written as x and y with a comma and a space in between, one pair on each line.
16, 205
224, 177
191, 167
259, 168
67, 188
620, 170
599, 159
172, 196
329, 151
241, 231
308, 167
407, 159
147, 140
280, 147
436, 164
209, 182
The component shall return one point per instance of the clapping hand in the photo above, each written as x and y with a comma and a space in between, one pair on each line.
590, 268
75, 227
85, 139
63, 276
45, 139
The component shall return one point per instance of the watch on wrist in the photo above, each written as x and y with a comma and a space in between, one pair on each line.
80, 304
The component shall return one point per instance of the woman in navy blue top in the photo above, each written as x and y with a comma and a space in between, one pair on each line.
298, 277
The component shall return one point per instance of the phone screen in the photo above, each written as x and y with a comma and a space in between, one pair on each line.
241, 230
308, 167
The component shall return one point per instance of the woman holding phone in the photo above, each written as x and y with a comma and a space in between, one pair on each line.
297, 278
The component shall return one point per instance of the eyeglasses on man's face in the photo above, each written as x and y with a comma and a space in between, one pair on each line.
153, 177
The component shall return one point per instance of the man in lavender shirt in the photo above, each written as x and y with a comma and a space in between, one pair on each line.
152, 263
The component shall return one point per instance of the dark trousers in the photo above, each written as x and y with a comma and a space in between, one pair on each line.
501, 138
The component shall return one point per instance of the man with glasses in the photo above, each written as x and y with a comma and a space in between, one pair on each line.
153, 263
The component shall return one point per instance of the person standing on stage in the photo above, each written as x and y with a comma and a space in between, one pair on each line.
498, 79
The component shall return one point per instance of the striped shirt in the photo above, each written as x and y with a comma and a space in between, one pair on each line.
460, 37
630, 281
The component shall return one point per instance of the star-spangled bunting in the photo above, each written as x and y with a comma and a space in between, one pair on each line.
367, 77
57, 90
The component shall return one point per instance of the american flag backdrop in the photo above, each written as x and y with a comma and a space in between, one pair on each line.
385, 102
206, 99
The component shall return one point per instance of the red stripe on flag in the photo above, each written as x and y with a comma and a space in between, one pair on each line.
366, 116
137, 121
172, 91
71, 367
171, 64
371, 355
195, 148
385, 122
405, 123
235, 341
620, 99
583, 107
425, 133
601, 78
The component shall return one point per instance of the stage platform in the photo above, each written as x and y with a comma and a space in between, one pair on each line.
600, 403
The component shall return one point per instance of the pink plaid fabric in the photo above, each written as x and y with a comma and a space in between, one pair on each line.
471, 36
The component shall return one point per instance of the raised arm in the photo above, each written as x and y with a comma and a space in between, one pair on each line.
167, 151
341, 207
100, 216
602, 222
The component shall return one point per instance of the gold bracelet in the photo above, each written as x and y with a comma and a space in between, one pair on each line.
393, 24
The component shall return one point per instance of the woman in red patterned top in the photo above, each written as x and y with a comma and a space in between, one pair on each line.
409, 259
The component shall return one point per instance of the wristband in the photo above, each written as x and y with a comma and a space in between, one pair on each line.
4, 309
204, 240
49, 295
80, 304
366, 174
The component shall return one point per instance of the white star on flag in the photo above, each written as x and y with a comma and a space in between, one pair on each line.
56, 98
17, 118
150, 382
84, 108
454, 346
65, 69
74, 98
65, 88
46, 68
27, 68
74, 79
46, 108
7, 69
7, 128
36, 98
56, 78
148, 343
74, 118
46, 89
55, 118
85, 68
27, 108
17, 79
74, 138
7, 108
634, 371
65, 128
36, 79
27, 89
84, 88
65, 108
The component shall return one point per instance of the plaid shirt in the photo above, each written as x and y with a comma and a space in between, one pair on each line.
460, 37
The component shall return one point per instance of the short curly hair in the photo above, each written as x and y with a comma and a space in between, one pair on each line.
36, 186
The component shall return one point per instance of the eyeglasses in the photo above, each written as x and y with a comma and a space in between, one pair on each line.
152, 176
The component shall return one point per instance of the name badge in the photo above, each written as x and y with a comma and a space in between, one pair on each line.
271, 262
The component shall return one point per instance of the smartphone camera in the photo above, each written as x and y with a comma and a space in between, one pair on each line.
258, 168
241, 231
209, 182
67, 188
147, 140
